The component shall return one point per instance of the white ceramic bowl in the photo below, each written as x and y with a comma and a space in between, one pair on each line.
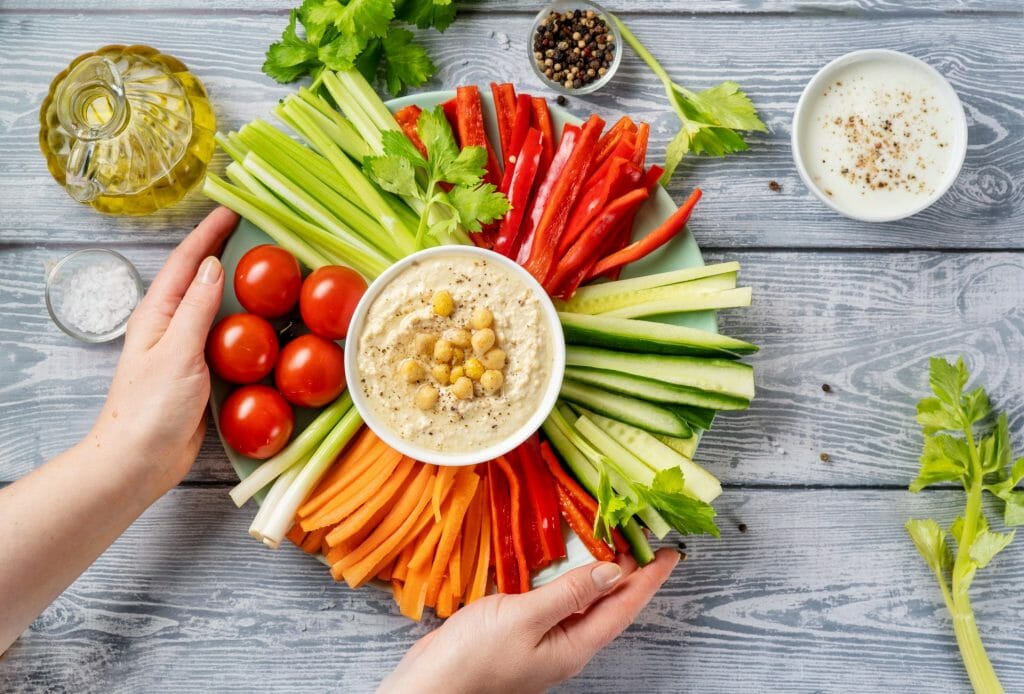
951, 102
497, 448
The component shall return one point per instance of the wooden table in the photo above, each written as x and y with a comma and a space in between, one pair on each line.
824, 591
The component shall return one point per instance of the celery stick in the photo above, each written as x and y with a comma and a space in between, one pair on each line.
228, 146
256, 211
341, 129
353, 82
299, 447
283, 515
277, 490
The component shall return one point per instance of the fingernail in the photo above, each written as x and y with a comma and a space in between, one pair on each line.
210, 270
606, 575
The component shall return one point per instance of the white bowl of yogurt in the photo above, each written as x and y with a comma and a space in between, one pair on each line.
454, 355
879, 135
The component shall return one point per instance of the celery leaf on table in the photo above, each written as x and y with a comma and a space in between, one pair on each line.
687, 514
962, 444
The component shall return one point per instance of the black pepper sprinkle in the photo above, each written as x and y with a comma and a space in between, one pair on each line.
742, 527
774, 186
573, 48
826, 387
561, 100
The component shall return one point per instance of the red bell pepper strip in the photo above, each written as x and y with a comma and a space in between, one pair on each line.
643, 133
533, 549
570, 134
520, 568
654, 240
506, 569
548, 232
577, 494
543, 496
524, 174
505, 110
652, 177
520, 127
408, 118
606, 145
542, 121
578, 522
589, 244
471, 129
451, 114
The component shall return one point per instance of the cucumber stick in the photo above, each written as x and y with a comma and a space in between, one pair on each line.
686, 303
656, 455
595, 292
631, 335
684, 447
610, 302
641, 413
720, 376
656, 391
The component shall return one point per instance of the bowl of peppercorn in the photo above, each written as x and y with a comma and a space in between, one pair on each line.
575, 47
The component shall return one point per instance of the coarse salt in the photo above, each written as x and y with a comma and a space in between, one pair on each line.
98, 298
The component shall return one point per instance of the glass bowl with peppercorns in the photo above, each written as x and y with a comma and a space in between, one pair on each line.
575, 47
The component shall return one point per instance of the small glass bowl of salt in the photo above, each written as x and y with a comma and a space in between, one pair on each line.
91, 293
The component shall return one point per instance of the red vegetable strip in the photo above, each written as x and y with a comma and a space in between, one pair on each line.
524, 174
520, 126
652, 176
407, 118
471, 129
515, 493
654, 240
542, 121
570, 134
451, 114
579, 496
506, 572
543, 499
504, 108
574, 517
533, 550
610, 140
594, 198
640, 152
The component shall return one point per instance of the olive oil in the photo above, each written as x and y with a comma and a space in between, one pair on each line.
127, 129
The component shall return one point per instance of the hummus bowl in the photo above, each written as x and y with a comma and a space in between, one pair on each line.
454, 355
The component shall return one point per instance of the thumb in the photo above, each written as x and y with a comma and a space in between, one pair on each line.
191, 321
569, 594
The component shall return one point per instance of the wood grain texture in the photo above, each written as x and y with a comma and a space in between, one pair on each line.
865, 323
823, 593
772, 56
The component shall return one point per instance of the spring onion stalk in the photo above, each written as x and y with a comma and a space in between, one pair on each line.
277, 490
309, 207
299, 448
245, 204
283, 515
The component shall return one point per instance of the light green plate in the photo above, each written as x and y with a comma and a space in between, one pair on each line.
681, 252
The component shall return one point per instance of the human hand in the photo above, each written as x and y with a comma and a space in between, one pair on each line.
154, 417
531, 642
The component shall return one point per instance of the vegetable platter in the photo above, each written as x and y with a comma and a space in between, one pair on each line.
646, 370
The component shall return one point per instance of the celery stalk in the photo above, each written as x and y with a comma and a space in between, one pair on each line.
341, 128
228, 146
366, 99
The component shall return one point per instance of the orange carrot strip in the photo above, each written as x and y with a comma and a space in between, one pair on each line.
445, 600
445, 473
362, 521
297, 535
348, 467
470, 539
335, 554
314, 540
465, 488
426, 550
396, 590
454, 576
385, 573
402, 563
347, 501
482, 567
414, 593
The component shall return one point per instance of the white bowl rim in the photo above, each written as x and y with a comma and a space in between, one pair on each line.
426, 455
952, 99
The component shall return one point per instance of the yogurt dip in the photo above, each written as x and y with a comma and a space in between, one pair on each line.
879, 135
454, 353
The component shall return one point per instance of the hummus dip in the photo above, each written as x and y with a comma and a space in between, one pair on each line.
400, 361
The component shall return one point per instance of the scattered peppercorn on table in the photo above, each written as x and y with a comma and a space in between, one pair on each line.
814, 585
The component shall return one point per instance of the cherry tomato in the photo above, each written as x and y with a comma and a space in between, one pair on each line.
268, 281
242, 348
256, 421
311, 371
328, 300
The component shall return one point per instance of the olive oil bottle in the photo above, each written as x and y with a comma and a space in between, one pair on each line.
127, 130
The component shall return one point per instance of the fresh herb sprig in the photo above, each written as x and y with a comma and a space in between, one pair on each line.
365, 34
468, 203
709, 118
977, 454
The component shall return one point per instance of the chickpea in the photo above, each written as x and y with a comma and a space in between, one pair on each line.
494, 359
443, 303
474, 368
442, 373
458, 356
491, 381
456, 373
412, 371
458, 337
482, 318
442, 351
463, 389
424, 344
426, 397
483, 340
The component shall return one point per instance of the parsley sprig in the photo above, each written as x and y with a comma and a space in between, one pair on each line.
961, 444
402, 169
366, 34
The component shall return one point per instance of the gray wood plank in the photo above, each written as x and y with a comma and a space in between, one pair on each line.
772, 56
865, 323
823, 593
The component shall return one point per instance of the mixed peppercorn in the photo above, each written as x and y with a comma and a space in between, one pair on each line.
573, 48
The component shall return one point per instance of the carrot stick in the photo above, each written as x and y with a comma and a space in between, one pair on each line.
482, 567
453, 579
314, 540
359, 492
425, 549
445, 600
385, 573
347, 468
402, 563
445, 473
465, 488
470, 539
414, 593
361, 522
335, 554
297, 535
396, 590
